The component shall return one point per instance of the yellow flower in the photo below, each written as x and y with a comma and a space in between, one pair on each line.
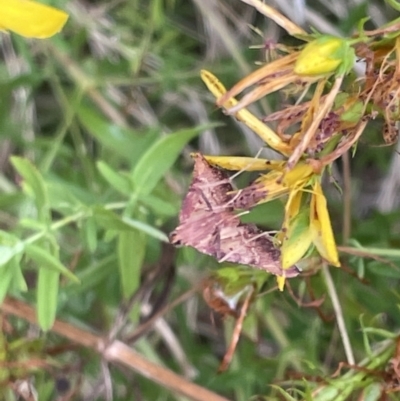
31, 19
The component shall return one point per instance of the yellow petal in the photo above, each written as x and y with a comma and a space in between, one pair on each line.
293, 204
31, 19
234, 163
280, 280
321, 229
254, 123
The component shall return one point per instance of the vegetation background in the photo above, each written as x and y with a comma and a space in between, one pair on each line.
108, 112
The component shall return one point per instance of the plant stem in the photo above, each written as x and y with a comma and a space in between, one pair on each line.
339, 314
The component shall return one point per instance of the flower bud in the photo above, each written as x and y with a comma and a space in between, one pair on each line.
323, 56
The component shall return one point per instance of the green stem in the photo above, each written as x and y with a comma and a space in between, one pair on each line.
70, 219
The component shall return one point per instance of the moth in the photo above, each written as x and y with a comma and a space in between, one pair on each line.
208, 223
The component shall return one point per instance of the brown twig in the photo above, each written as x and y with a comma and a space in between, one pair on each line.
117, 352
236, 333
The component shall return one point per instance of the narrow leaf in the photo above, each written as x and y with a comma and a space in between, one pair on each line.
90, 232
45, 259
18, 281
112, 221
131, 252
116, 180
160, 206
6, 277
123, 141
159, 158
10, 246
34, 184
47, 292
7, 253
146, 228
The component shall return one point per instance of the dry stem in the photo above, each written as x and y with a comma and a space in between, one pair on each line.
339, 315
117, 352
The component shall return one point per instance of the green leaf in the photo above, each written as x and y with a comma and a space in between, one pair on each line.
18, 281
131, 252
116, 180
381, 332
160, 206
90, 232
45, 259
373, 392
146, 228
47, 296
159, 158
297, 239
32, 224
112, 221
34, 184
6, 275
10, 246
92, 275
384, 270
123, 141
283, 393
8, 252
67, 198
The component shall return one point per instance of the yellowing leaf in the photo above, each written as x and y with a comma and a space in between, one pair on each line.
321, 229
254, 123
297, 240
31, 19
